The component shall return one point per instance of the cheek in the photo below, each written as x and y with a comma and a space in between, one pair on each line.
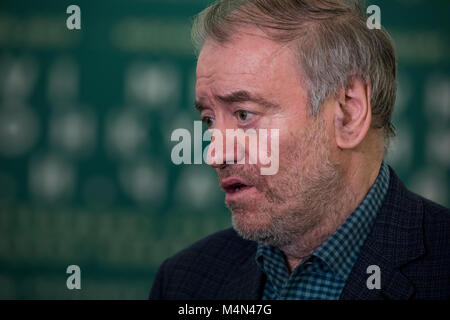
290, 139
290, 152
285, 133
287, 154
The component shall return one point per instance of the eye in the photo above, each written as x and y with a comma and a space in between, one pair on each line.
208, 121
244, 115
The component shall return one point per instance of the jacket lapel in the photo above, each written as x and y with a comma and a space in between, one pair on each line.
395, 240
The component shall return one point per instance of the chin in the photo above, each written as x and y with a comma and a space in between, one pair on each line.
251, 225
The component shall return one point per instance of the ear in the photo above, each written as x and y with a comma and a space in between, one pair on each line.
353, 114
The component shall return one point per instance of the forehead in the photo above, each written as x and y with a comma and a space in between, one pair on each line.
247, 55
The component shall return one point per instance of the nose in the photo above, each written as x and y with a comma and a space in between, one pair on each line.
225, 147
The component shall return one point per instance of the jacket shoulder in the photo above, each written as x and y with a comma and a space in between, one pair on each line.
435, 216
409, 242
436, 227
437, 211
200, 270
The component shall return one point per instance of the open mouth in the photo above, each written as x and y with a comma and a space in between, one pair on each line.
236, 187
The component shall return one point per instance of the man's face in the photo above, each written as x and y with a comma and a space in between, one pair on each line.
272, 209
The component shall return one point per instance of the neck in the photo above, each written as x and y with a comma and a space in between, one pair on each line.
356, 182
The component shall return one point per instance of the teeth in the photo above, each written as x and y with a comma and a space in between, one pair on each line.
236, 189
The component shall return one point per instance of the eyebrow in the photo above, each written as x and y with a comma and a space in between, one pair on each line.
240, 96
199, 106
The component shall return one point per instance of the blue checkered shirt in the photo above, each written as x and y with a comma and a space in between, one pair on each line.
323, 274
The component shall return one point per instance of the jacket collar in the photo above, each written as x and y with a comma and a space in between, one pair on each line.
395, 240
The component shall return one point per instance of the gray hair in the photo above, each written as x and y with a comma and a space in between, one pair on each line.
331, 40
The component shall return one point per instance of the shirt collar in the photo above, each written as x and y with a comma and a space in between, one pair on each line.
340, 251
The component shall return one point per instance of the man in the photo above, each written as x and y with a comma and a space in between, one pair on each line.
334, 222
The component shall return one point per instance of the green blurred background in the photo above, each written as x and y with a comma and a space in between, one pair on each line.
85, 123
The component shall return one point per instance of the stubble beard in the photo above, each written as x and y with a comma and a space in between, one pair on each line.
297, 199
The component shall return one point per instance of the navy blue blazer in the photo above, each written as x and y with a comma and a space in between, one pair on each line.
410, 242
